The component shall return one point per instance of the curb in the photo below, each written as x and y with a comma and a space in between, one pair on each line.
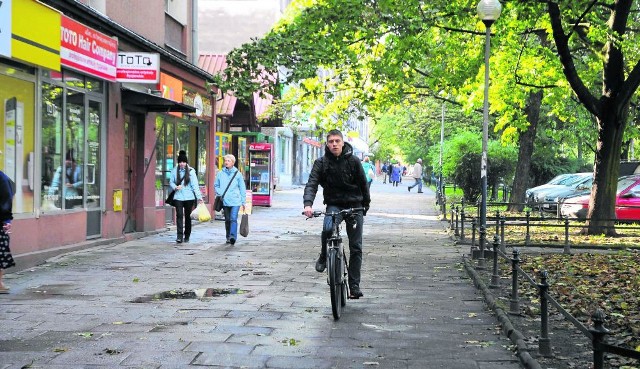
516, 337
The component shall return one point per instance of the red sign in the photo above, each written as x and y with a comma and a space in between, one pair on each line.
87, 50
260, 146
311, 142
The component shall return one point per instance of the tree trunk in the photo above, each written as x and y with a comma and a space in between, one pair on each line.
601, 215
521, 178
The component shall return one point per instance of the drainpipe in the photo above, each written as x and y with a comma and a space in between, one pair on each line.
195, 53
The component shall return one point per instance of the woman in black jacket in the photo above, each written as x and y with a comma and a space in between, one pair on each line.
6, 214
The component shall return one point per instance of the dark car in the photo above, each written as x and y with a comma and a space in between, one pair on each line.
627, 201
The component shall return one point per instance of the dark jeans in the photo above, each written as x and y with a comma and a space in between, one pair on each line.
183, 210
355, 241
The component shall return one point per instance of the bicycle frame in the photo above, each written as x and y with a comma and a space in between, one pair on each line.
337, 266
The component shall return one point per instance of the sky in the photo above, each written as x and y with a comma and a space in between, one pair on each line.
226, 24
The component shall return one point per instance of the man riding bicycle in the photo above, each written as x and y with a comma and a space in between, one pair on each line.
344, 184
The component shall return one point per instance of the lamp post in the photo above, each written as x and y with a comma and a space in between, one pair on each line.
488, 12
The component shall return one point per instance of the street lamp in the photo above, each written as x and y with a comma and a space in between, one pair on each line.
488, 12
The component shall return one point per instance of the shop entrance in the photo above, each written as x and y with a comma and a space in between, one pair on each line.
129, 197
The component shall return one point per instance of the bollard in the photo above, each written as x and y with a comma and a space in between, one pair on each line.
544, 344
462, 216
473, 238
483, 240
503, 246
598, 333
514, 303
452, 218
443, 207
527, 238
495, 278
457, 230
567, 249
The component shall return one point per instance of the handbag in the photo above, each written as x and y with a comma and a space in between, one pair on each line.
217, 203
244, 225
169, 199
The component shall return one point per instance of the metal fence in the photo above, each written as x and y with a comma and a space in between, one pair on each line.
597, 333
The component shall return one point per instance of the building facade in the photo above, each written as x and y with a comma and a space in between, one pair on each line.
96, 105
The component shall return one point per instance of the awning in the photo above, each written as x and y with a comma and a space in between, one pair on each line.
152, 103
359, 145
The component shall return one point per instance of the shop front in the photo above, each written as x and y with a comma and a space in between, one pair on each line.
88, 152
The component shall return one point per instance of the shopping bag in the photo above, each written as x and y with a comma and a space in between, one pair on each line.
169, 199
201, 213
244, 225
217, 203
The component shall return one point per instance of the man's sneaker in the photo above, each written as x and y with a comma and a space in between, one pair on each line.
232, 241
354, 292
321, 263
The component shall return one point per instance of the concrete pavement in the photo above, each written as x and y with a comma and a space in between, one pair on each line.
150, 303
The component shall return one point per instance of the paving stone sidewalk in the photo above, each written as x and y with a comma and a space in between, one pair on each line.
258, 303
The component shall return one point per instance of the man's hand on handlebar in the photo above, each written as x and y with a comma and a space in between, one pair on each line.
308, 211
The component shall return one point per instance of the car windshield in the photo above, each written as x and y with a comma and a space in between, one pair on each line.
624, 183
571, 178
580, 178
557, 179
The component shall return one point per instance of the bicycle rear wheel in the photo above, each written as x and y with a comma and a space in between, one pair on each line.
335, 282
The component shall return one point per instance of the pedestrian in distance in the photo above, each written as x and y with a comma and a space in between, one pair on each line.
368, 170
384, 173
6, 215
390, 171
417, 175
396, 174
344, 184
184, 181
235, 197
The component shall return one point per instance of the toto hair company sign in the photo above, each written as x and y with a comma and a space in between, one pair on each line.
87, 50
138, 67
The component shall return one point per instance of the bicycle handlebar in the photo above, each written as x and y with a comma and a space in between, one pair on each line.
348, 211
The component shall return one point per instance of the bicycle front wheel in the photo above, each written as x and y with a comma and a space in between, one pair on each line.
335, 282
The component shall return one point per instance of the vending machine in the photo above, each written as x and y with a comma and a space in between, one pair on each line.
260, 173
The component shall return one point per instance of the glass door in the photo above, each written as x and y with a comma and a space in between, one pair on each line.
93, 169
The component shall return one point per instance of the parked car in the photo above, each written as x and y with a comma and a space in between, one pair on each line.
550, 198
560, 181
627, 201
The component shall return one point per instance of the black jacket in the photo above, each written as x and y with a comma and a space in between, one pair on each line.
342, 178
6, 199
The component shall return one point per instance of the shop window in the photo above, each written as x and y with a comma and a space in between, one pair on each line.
17, 132
51, 144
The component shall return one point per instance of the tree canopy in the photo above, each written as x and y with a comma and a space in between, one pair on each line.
574, 63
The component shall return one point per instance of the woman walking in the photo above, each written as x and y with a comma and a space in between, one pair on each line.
6, 214
184, 181
231, 181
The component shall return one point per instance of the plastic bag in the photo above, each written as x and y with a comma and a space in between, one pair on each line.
201, 213
244, 225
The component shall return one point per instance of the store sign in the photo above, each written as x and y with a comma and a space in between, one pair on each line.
203, 106
5, 28
259, 146
138, 67
311, 142
87, 50
171, 89
34, 33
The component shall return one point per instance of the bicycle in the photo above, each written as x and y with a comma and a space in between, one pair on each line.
337, 266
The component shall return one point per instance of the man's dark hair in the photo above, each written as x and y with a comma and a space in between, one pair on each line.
334, 132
